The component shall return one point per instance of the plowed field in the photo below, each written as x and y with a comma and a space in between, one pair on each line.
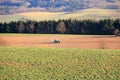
67, 41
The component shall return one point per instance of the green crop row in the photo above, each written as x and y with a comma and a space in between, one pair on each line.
58, 64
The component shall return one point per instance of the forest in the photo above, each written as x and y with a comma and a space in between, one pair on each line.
69, 26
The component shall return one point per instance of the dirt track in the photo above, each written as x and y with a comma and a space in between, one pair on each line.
72, 41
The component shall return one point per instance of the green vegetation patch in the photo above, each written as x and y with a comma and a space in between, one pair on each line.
63, 64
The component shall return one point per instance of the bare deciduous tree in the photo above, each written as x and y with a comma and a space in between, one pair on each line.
116, 32
61, 28
21, 27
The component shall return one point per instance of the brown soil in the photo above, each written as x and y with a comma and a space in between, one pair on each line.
67, 41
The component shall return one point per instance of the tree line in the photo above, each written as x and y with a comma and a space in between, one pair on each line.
69, 26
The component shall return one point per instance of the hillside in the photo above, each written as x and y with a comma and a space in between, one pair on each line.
82, 14
19, 6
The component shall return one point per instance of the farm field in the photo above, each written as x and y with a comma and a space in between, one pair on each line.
35, 57
67, 41
25, 63
95, 14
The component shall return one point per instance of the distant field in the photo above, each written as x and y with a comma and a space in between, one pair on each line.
83, 14
20, 63
8, 18
67, 41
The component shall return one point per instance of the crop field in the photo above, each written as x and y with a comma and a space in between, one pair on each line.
96, 14
67, 41
34, 57
23, 63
